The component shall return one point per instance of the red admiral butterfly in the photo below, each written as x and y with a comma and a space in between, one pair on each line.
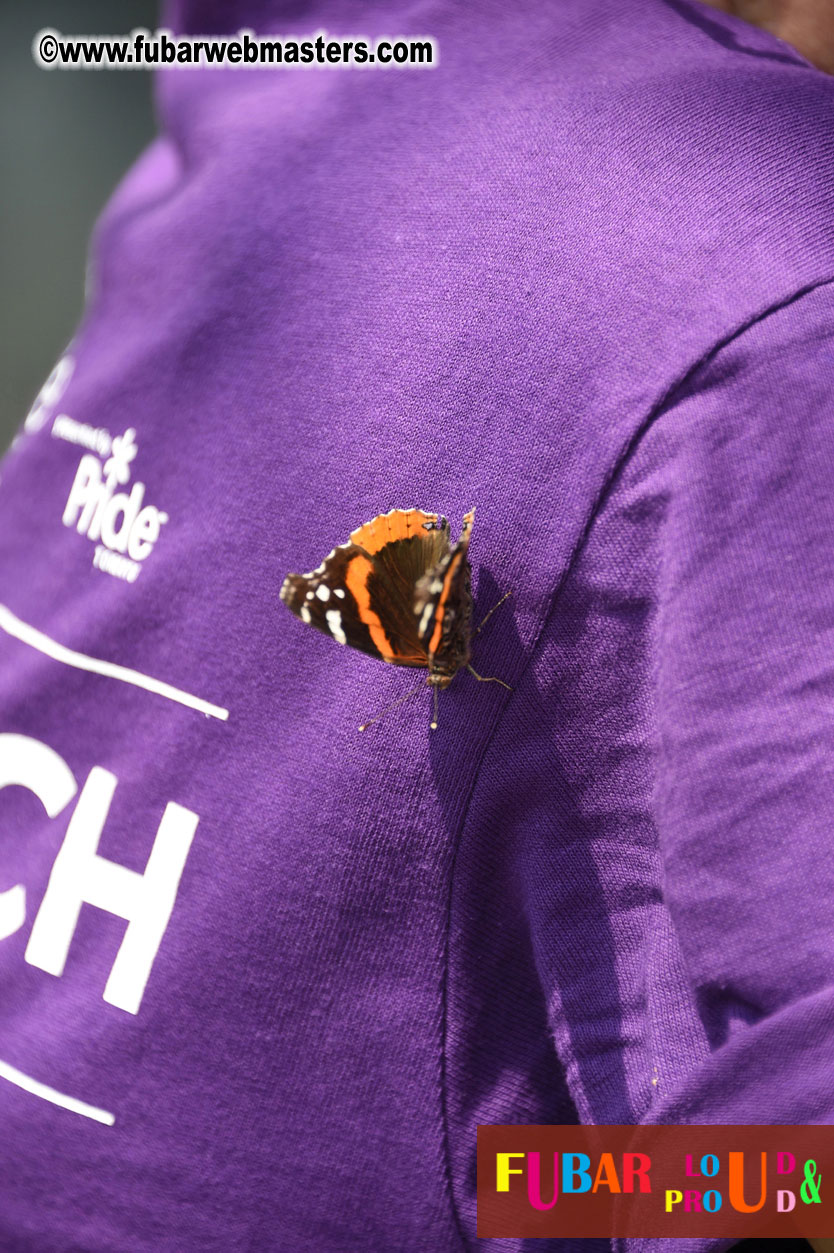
397, 591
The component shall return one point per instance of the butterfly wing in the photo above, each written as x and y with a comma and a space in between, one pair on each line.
362, 593
443, 607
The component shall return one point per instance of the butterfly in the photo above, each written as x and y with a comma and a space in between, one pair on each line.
399, 591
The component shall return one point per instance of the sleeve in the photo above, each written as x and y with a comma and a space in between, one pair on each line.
742, 691
683, 927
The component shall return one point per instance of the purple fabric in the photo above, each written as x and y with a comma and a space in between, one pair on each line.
578, 275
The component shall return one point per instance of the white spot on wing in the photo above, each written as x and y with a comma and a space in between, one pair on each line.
340, 592
306, 616
426, 618
323, 591
334, 621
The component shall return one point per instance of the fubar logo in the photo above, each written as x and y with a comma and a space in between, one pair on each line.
123, 528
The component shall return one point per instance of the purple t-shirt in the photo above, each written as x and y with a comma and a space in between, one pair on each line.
262, 976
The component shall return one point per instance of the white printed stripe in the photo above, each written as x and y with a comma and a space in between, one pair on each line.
28, 1084
36, 639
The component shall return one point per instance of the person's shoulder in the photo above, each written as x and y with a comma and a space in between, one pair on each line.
686, 162
669, 104
726, 114
725, 119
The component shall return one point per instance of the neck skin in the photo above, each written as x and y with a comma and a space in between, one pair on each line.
807, 24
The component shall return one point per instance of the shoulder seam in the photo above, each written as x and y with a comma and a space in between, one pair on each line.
656, 411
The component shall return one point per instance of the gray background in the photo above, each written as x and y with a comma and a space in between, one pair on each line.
66, 138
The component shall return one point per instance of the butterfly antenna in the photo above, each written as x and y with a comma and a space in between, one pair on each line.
364, 726
489, 678
433, 723
492, 611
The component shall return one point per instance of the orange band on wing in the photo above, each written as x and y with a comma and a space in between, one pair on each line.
356, 581
441, 604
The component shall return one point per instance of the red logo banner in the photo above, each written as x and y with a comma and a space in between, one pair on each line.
734, 1182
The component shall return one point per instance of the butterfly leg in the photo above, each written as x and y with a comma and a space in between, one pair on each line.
491, 612
388, 708
489, 678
